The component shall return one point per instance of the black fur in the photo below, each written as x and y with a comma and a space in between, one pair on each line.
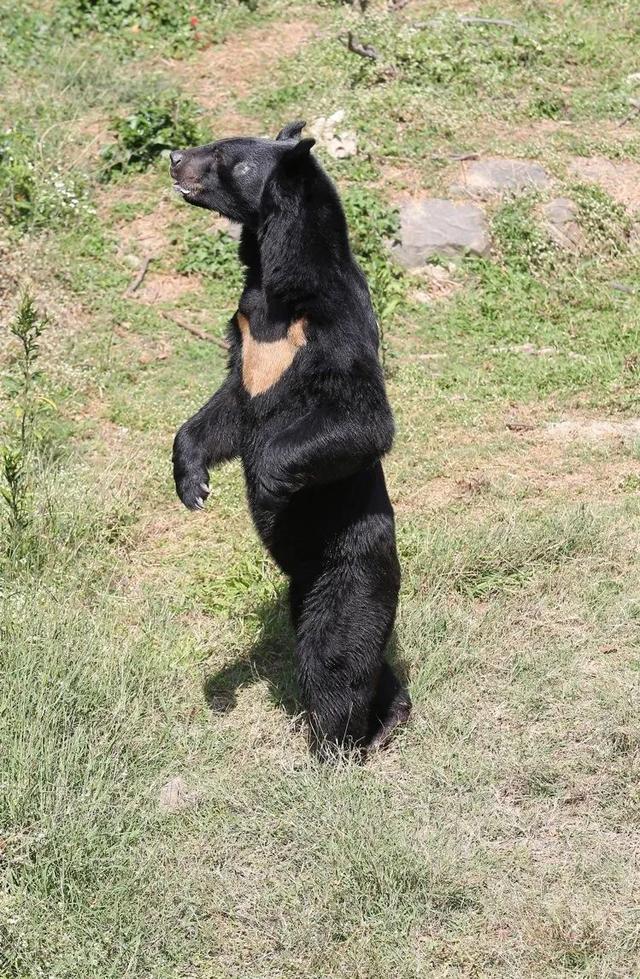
311, 444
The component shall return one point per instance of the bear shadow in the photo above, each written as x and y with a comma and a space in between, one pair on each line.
272, 659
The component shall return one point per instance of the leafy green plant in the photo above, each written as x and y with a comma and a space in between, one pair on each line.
112, 16
128, 19
213, 254
156, 125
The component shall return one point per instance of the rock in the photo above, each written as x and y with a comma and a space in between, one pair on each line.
489, 178
338, 145
440, 227
560, 218
175, 795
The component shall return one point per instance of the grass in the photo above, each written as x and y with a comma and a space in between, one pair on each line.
139, 644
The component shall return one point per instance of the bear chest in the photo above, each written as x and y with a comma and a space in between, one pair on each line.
265, 361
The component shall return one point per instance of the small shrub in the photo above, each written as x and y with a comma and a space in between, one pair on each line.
126, 19
112, 16
157, 125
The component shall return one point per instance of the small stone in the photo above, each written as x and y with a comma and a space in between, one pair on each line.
490, 178
175, 795
560, 217
131, 260
431, 227
342, 146
339, 145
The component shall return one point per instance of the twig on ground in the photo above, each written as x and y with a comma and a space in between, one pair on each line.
137, 282
457, 157
364, 50
196, 331
635, 110
492, 22
423, 25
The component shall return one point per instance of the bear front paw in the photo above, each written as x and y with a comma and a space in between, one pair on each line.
192, 486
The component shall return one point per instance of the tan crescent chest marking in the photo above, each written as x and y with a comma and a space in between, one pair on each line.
264, 362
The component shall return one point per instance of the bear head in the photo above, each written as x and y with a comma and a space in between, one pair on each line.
230, 175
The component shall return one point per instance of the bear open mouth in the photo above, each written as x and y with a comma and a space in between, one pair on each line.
179, 189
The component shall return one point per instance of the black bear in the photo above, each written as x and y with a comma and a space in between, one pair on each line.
304, 406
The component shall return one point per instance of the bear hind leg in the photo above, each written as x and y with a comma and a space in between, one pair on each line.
349, 691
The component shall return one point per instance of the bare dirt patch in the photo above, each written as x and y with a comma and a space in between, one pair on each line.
594, 429
161, 287
133, 191
147, 235
226, 73
619, 178
578, 459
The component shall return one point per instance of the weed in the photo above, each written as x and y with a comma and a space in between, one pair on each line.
15, 496
157, 124
27, 328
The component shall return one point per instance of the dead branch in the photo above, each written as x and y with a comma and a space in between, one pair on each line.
364, 50
196, 331
137, 282
635, 110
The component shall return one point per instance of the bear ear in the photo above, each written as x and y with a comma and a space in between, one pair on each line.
292, 130
299, 151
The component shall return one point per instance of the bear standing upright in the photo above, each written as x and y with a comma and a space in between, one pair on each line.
305, 408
